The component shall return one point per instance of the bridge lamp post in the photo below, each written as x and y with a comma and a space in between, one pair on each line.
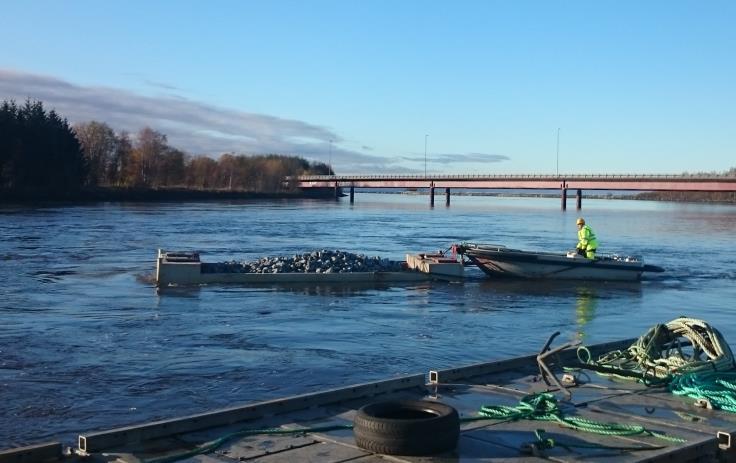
558, 151
425, 155
329, 165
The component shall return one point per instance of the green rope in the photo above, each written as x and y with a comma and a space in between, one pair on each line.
717, 387
210, 446
544, 407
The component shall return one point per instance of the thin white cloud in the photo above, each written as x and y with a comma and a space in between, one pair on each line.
162, 85
192, 126
447, 158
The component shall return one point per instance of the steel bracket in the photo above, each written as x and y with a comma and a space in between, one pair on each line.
724, 440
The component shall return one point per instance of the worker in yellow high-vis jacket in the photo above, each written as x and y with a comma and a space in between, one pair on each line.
587, 243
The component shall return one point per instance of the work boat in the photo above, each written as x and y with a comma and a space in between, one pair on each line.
500, 261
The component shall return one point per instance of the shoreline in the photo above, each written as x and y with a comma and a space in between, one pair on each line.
122, 194
155, 195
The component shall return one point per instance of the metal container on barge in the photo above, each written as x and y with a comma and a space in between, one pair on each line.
185, 268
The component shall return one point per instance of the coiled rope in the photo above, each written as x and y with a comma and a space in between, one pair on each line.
660, 352
659, 357
544, 407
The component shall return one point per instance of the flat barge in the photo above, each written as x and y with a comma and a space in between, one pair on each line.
318, 427
185, 268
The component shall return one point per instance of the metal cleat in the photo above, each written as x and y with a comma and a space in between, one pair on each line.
533, 449
569, 380
704, 403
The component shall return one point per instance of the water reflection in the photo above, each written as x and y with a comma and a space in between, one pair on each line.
584, 296
561, 287
585, 306
306, 289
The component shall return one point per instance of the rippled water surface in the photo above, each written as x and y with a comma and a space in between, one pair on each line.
87, 343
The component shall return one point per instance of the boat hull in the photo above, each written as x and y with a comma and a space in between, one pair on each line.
521, 264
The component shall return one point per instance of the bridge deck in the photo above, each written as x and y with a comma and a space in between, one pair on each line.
572, 182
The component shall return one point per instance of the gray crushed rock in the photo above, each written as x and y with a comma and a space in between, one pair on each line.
322, 261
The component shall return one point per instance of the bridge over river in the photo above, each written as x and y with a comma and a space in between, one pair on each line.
563, 183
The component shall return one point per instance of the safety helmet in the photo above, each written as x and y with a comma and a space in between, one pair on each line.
581, 221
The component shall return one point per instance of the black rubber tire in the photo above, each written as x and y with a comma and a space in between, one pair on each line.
407, 427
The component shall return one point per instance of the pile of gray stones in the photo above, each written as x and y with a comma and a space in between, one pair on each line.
323, 261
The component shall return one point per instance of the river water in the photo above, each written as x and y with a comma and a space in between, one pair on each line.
87, 343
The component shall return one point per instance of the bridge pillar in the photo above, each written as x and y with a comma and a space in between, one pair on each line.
564, 198
352, 194
447, 197
431, 194
337, 191
579, 199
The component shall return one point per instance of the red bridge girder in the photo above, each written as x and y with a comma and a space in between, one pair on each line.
531, 182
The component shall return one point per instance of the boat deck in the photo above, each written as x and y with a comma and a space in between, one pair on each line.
705, 434
499, 261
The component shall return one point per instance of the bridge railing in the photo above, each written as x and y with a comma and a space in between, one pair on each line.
690, 177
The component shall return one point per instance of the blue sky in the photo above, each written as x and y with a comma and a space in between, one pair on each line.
634, 87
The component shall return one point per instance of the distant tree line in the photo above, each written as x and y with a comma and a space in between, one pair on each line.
41, 152
147, 160
693, 196
689, 196
38, 150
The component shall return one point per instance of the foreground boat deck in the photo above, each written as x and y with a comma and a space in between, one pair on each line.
706, 433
